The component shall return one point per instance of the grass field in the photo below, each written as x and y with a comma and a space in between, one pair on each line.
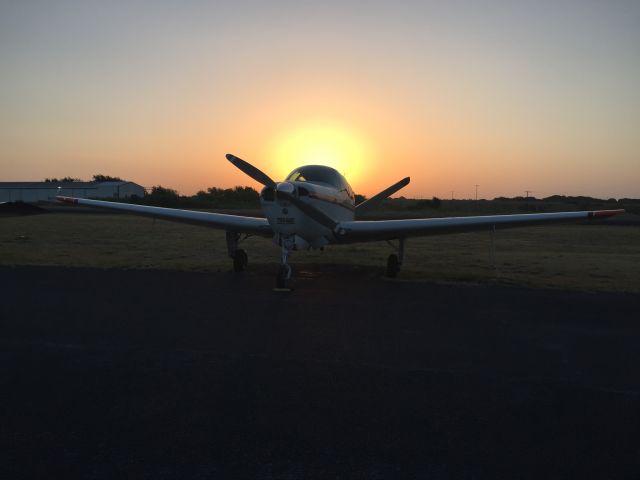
581, 257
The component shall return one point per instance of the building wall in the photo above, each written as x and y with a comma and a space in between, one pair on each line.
72, 192
46, 193
118, 191
41, 194
131, 189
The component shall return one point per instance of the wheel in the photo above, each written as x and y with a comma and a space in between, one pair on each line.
240, 260
284, 273
393, 266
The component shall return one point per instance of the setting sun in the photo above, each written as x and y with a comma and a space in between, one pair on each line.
321, 143
451, 94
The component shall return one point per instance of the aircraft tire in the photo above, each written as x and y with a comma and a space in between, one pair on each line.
393, 266
284, 272
240, 260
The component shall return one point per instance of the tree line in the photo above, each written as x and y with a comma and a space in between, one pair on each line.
213, 197
242, 197
96, 178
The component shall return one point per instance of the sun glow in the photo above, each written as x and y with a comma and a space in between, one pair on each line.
321, 143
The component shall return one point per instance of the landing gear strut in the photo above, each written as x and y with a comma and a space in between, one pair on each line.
238, 255
394, 262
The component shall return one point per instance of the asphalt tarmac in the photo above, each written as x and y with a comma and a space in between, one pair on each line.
155, 374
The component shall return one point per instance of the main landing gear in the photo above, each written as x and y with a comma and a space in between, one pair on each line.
394, 262
240, 259
239, 256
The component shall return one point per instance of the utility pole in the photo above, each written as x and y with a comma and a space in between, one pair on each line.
451, 194
477, 191
528, 192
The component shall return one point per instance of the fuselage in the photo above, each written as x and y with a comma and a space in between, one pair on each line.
320, 186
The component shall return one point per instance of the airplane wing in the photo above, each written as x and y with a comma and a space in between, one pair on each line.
235, 223
362, 231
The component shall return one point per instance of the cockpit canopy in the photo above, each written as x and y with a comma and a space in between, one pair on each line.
322, 175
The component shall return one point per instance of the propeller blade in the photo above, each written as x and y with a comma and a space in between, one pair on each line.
252, 171
309, 210
377, 199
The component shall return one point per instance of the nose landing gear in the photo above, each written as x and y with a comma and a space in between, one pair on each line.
283, 277
284, 272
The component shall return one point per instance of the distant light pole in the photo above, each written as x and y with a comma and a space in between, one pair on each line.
477, 191
451, 194
528, 192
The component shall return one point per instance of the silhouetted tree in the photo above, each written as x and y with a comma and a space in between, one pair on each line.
106, 178
62, 180
163, 197
226, 196
360, 198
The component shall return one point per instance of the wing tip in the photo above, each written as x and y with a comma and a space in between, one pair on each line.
71, 200
605, 213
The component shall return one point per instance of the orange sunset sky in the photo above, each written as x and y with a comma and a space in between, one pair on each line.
513, 96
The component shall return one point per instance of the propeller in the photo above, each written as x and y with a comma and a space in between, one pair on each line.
309, 210
252, 171
282, 193
374, 201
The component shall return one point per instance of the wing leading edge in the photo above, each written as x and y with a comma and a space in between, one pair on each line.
236, 223
361, 231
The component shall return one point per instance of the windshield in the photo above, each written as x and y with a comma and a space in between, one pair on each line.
316, 174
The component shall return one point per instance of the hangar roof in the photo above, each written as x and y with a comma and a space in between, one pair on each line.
61, 184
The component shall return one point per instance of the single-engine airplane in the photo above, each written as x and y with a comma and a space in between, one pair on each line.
315, 206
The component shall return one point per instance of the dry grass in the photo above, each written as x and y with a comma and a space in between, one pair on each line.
582, 257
